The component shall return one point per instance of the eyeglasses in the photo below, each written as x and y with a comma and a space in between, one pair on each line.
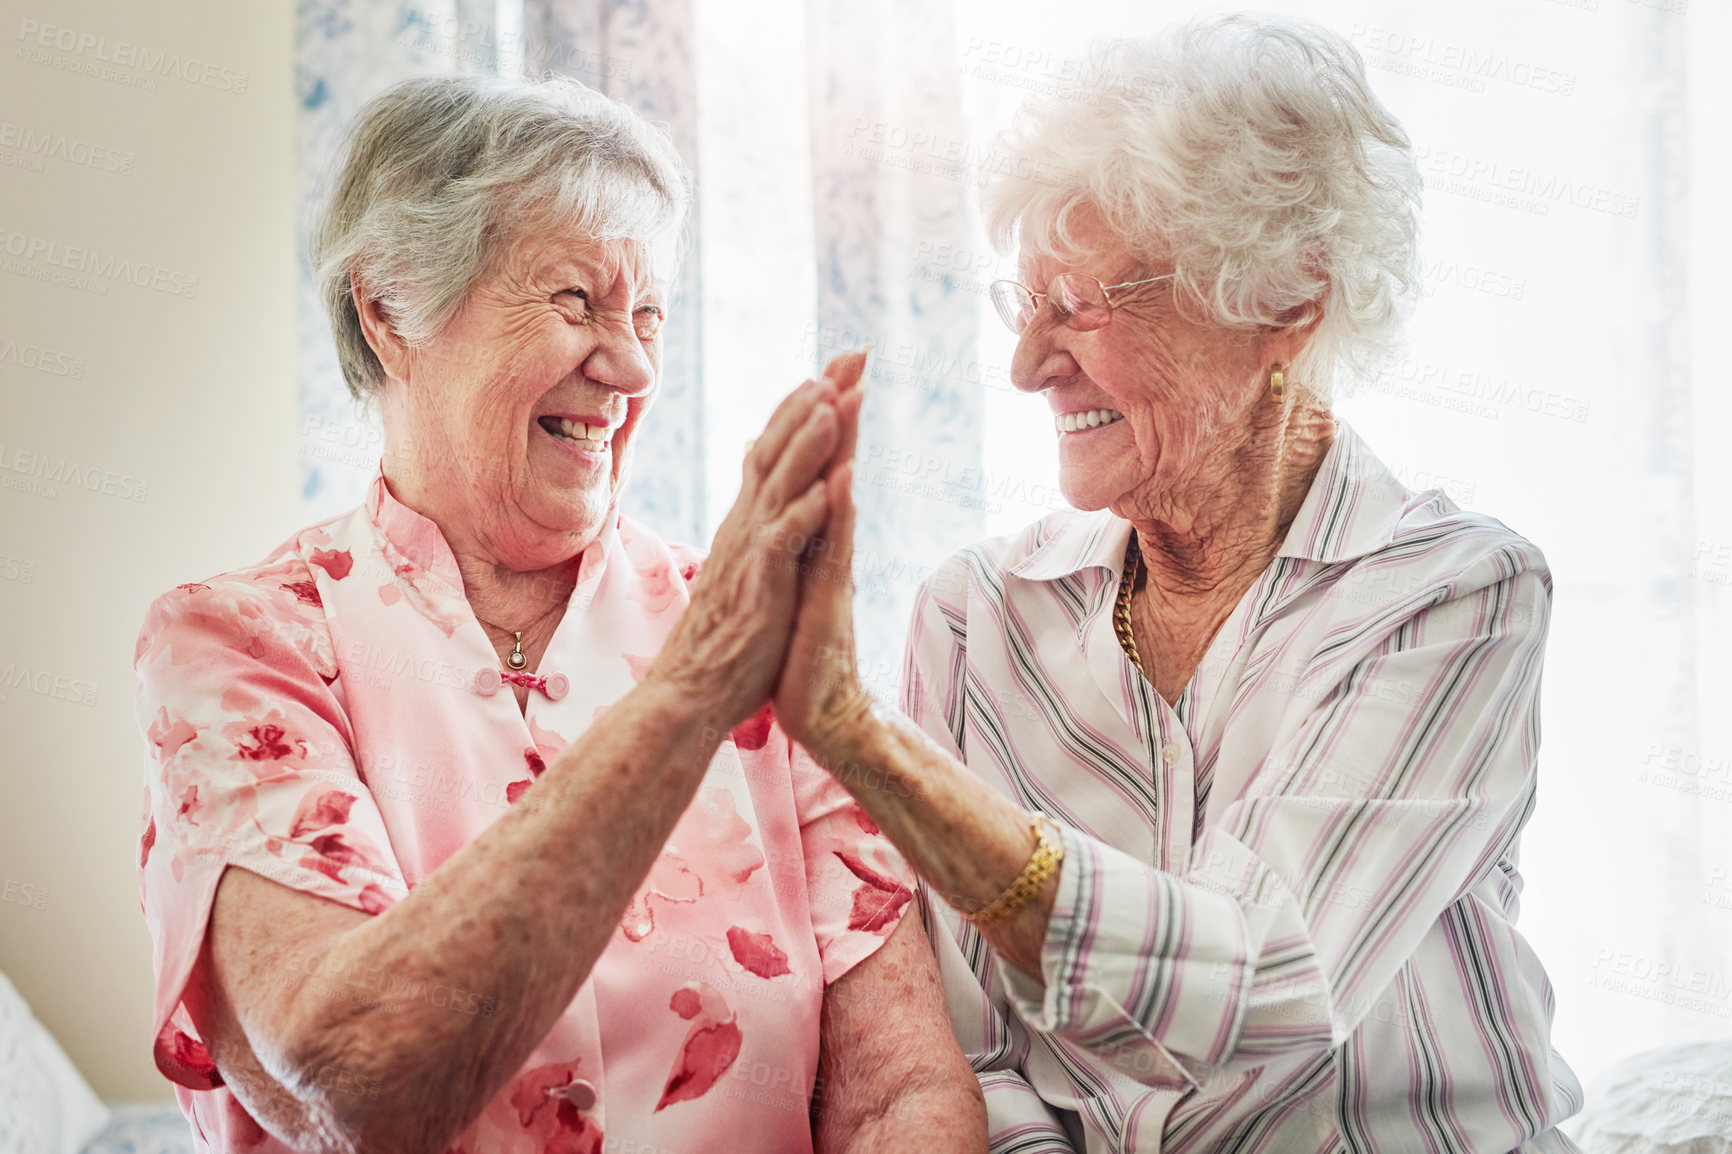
1082, 301
647, 321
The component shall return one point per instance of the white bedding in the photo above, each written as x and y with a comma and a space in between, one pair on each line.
1677, 1100
143, 1128
46, 1107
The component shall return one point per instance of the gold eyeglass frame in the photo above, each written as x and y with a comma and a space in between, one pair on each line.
1040, 299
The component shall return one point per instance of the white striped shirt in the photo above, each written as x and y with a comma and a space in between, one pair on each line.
1286, 916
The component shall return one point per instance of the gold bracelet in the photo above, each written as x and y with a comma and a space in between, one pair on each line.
1041, 864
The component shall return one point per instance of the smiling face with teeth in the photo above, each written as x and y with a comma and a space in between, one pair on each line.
512, 428
1153, 406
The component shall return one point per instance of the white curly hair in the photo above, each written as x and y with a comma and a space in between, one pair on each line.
1250, 152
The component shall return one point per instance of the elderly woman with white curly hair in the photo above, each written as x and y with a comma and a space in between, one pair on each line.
469, 827
1225, 770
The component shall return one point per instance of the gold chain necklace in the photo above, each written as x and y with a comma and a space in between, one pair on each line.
1122, 610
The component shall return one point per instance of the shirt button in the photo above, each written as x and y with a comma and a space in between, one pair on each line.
487, 682
580, 1093
1170, 753
558, 685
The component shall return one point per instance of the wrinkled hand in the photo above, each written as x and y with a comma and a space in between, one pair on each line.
818, 697
725, 651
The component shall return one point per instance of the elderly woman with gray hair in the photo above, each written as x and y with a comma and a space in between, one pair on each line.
469, 827
1224, 772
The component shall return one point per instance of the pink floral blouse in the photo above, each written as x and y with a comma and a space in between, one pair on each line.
332, 719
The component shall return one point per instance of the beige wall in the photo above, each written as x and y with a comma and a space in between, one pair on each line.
168, 416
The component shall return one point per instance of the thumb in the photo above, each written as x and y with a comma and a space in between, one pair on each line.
840, 529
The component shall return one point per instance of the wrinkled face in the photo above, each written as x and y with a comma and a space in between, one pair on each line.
519, 416
1149, 404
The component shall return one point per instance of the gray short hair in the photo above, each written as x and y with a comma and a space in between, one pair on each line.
438, 174
1252, 152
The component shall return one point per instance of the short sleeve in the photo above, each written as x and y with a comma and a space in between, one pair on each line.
250, 765
858, 885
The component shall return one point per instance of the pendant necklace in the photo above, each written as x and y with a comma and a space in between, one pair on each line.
516, 659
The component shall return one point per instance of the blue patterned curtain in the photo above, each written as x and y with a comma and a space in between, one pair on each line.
346, 52
889, 182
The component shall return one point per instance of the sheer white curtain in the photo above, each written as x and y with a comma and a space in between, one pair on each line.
1563, 371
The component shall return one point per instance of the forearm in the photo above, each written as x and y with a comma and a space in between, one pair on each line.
518, 916
964, 838
969, 843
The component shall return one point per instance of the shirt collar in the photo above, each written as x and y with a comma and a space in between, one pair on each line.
1351, 509
420, 542
414, 537
1083, 541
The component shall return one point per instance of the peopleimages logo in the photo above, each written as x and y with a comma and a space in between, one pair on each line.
86, 269
46, 683
88, 52
1532, 189
43, 360
42, 475
1455, 65
39, 144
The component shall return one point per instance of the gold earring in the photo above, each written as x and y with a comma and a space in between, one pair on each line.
1277, 382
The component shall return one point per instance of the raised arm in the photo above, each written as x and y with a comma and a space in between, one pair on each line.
1410, 776
519, 915
964, 839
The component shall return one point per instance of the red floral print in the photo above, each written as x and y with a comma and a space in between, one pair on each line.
314, 719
